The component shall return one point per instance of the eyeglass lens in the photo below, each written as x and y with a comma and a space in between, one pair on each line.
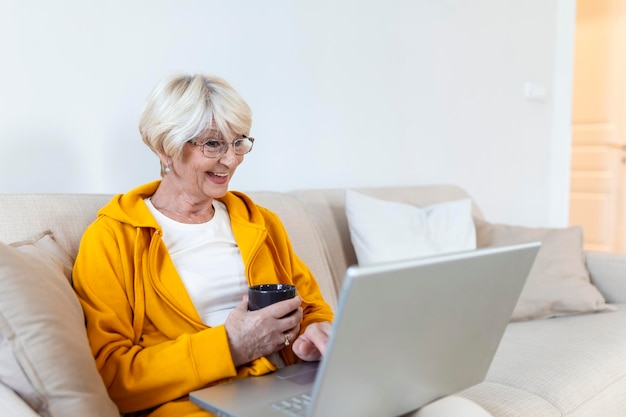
217, 147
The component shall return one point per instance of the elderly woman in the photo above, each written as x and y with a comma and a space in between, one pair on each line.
163, 272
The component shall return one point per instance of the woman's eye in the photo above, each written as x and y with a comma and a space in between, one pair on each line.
213, 143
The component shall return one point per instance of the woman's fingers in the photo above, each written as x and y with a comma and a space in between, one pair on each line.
311, 345
283, 308
252, 334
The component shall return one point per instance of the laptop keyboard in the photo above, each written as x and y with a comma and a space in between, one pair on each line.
297, 406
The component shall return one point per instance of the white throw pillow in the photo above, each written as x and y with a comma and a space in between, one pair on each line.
386, 231
44, 352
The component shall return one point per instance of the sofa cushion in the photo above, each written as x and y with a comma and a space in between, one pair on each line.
501, 400
558, 283
44, 353
384, 231
66, 215
574, 363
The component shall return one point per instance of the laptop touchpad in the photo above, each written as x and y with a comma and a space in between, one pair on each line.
299, 375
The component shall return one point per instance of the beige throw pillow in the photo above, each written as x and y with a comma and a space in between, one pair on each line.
558, 283
44, 353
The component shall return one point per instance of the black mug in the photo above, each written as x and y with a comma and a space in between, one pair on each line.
262, 295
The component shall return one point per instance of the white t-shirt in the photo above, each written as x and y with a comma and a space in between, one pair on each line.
208, 260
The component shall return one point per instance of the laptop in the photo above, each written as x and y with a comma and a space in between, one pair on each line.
405, 334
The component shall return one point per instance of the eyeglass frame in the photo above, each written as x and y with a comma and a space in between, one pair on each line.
203, 145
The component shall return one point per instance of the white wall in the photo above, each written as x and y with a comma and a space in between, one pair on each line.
345, 93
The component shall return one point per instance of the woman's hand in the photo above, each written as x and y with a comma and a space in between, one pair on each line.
252, 334
311, 344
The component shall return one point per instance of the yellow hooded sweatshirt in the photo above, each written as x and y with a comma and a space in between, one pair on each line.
150, 345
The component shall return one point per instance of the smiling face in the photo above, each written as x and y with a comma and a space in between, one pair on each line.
196, 179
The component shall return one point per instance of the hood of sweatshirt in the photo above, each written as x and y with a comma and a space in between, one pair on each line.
130, 208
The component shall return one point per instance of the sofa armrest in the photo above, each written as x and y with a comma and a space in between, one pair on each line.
608, 274
12, 405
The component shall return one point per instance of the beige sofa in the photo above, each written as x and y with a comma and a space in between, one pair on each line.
567, 366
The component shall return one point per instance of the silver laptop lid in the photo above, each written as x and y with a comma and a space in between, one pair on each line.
407, 333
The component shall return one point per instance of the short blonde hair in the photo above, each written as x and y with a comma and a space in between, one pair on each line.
185, 106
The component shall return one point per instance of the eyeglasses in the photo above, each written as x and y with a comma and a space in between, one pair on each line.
214, 148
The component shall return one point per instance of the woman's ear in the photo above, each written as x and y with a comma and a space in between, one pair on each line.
166, 162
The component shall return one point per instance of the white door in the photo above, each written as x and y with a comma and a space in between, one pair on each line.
598, 195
